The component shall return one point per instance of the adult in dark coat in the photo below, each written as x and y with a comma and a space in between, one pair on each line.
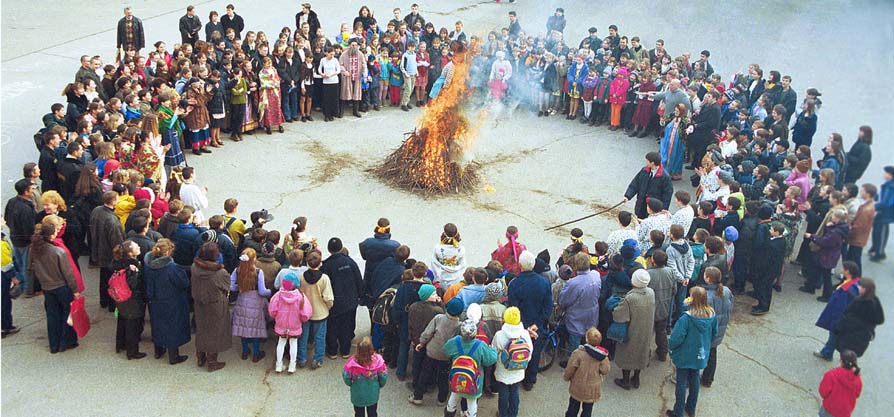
386, 275
650, 182
232, 20
374, 249
210, 288
68, 170
49, 180
859, 156
132, 312
21, 217
167, 287
106, 232
704, 124
857, 325
187, 238
130, 32
190, 25
530, 292
311, 17
347, 285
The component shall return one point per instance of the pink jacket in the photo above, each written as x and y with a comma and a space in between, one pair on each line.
802, 181
617, 91
290, 310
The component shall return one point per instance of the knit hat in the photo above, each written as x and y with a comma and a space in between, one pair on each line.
290, 281
142, 194
425, 291
731, 234
765, 212
641, 278
565, 272
725, 176
748, 166
493, 292
512, 316
455, 306
468, 329
209, 236
623, 72
474, 312
334, 245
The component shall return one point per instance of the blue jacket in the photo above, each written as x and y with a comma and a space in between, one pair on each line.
375, 249
187, 240
386, 275
690, 342
884, 207
530, 292
838, 302
166, 288
580, 299
471, 294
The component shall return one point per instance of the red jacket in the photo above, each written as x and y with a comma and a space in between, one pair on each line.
840, 389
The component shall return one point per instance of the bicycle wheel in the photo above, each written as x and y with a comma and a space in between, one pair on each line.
548, 354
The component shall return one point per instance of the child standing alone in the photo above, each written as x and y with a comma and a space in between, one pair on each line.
366, 374
586, 370
290, 310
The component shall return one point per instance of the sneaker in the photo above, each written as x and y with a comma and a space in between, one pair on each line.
333, 357
316, 364
819, 354
292, 367
278, 367
11, 330
413, 400
345, 356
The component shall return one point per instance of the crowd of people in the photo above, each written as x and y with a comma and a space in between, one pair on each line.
112, 185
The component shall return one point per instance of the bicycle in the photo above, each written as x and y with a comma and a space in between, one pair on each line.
556, 336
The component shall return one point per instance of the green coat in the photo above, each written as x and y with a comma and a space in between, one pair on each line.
240, 91
365, 381
484, 355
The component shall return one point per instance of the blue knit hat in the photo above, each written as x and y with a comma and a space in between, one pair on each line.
731, 234
291, 278
455, 307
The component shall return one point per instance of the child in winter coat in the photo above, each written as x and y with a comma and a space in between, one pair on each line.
437, 364
467, 344
249, 321
618, 96
419, 315
395, 80
366, 374
841, 387
316, 287
587, 368
290, 309
586, 95
514, 347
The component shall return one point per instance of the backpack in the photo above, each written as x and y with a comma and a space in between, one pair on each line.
516, 355
118, 288
465, 375
382, 308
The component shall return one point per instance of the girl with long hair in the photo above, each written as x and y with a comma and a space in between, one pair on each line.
690, 345
47, 264
249, 321
366, 374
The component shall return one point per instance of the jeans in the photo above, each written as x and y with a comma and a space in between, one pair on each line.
829, 349
573, 342
57, 303
377, 334
255, 345
708, 374
6, 309
418, 360
290, 102
403, 349
20, 260
574, 406
319, 329
340, 332
372, 95
686, 378
507, 403
368, 411
879, 237
534, 364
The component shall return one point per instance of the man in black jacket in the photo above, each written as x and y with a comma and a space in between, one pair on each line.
47, 162
69, 170
105, 233
704, 124
130, 32
232, 20
21, 217
309, 16
190, 25
650, 182
347, 285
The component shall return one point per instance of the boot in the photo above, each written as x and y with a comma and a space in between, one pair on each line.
633, 133
214, 364
584, 120
635, 380
200, 359
449, 413
592, 119
159, 352
623, 382
356, 109
174, 356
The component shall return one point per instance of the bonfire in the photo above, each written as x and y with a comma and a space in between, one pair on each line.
431, 158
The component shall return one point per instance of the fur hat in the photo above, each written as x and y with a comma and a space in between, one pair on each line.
425, 291
455, 306
493, 292
641, 278
468, 329
512, 316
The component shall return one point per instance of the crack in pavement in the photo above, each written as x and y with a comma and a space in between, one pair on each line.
774, 373
664, 400
269, 388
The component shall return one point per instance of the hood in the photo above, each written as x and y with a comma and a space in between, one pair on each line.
356, 369
203, 264
312, 276
682, 247
840, 228
701, 325
158, 262
290, 297
596, 352
513, 331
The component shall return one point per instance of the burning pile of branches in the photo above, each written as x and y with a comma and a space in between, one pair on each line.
430, 160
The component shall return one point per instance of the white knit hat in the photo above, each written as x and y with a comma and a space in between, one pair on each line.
641, 278
474, 312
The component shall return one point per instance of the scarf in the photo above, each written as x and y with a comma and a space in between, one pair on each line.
512, 237
382, 230
168, 120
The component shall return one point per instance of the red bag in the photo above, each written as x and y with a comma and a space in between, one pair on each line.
78, 318
118, 288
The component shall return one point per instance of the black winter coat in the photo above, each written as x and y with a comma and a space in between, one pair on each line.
20, 216
645, 186
705, 124
857, 160
135, 306
47, 163
167, 288
375, 249
346, 282
386, 275
68, 171
139, 37
857, 325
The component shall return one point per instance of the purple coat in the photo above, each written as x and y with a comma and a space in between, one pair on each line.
580, 300
830, 245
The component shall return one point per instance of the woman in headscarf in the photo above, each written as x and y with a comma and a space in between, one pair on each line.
449, 261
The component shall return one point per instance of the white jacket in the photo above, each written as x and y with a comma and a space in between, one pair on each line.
448, 264
501, 340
